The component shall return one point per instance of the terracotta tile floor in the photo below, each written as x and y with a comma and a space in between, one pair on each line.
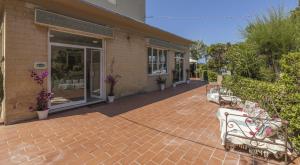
177, 126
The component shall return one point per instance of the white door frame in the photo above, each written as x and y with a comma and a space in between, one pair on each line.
91, 69
102, 64
180, 67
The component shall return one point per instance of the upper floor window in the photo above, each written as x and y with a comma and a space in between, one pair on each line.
157, 61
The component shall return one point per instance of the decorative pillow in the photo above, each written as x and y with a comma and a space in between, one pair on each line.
266, 131
269, 129
249, 108
261, 113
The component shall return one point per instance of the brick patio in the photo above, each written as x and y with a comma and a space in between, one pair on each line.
177, 126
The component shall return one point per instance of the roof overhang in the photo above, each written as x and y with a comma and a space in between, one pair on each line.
83, 10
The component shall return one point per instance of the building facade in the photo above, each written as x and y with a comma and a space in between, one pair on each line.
131, 8
77, 43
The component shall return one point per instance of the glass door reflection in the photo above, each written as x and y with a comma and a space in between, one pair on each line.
67, 76
93, 71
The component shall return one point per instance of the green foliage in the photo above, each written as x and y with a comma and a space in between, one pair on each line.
273, 35
243, 60
290, 65
266, 74
295, 18
205, 75
285, 97
212, 76
217, 56
197, 50
269, 54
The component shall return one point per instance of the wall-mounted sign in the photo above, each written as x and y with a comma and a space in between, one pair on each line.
40, 65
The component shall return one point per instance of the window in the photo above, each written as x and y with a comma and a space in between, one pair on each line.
157, 61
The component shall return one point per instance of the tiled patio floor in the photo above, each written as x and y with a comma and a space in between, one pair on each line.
177, 126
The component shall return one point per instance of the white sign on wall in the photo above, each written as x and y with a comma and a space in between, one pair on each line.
40, 65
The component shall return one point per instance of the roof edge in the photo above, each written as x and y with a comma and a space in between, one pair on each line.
136, 21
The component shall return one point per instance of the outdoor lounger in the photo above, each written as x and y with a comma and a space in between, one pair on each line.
263, 136
221, 95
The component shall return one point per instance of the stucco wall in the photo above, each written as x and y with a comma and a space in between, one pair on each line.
27, 43
131, 8
130, 53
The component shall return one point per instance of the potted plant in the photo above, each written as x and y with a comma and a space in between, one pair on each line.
43, 97
161, 81
174, 79
41, 107
112, 80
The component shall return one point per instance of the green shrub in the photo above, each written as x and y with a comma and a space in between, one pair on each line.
205, 76
212, 76
266, 74
284, 96
290, 65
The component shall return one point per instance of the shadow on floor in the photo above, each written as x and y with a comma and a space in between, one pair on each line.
129, 103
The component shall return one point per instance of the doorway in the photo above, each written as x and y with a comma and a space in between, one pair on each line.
179, 70
93, 72
76, 70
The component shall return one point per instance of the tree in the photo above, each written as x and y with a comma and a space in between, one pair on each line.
243, 60
198, 50
216, 53
273, 35
295, 18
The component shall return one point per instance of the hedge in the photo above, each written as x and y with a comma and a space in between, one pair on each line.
286, 100
212, 76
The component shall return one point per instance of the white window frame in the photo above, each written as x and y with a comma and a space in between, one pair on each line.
157, 72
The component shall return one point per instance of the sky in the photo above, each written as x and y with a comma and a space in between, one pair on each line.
213, 21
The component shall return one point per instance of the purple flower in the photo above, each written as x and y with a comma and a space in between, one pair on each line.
39, 78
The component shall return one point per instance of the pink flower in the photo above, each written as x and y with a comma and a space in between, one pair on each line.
248, 120
268, 131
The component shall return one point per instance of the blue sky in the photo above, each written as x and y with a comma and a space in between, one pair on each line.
212, 21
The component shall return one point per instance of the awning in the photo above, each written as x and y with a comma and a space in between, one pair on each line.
101, 16
51, 19
166, 44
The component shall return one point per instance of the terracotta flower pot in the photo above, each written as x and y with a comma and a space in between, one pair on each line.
43, 114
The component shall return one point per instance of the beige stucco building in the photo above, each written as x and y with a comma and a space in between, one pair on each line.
76, 42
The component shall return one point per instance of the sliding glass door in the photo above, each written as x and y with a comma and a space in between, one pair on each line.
76, 70
93, 74
67, 75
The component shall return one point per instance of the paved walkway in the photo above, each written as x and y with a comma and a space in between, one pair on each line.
176, 126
